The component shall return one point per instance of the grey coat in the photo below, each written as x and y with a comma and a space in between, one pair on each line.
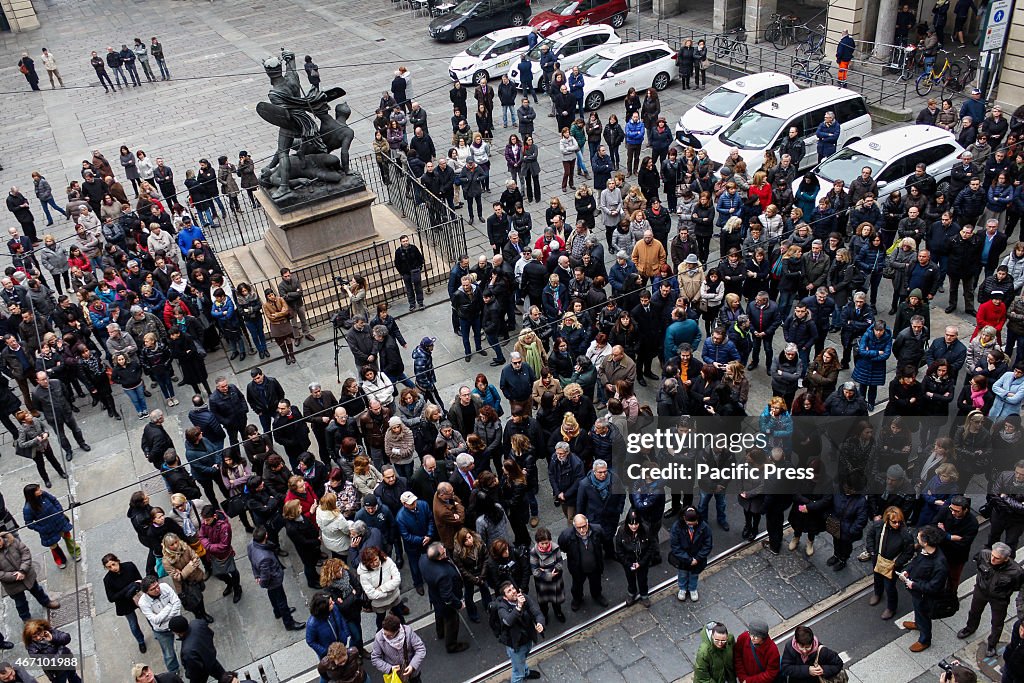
28, 435
54, 259
53, 402
610, 200
15, 557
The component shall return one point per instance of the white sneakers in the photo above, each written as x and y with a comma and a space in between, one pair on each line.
681, 596
694, 596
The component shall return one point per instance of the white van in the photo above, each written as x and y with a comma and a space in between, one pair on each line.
727, 102
766, 125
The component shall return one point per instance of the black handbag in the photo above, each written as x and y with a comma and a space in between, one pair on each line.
192, 594
234, 506
944, 605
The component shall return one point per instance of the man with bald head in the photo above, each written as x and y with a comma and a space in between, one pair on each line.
444, 584
583, 545
618, 366
51, 397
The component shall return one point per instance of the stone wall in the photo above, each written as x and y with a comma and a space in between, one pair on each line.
20, 14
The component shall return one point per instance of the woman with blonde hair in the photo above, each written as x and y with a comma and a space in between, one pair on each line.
341, 583
633, 201
333, 525
365, 477
890, 546
735, 377
381, 581
186, 571
531, 349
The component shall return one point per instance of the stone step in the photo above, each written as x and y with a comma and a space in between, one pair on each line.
233, 270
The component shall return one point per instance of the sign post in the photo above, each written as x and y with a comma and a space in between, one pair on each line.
997, 21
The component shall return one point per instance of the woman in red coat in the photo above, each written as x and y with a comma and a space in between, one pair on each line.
992, 312
755, 655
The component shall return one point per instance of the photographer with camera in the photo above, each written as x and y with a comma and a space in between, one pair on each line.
955, 672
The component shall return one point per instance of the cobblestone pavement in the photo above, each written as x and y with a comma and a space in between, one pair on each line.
213, 51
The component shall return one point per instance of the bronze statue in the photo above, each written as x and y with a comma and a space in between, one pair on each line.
307, 136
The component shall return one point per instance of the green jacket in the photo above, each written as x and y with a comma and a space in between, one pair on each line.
714, 665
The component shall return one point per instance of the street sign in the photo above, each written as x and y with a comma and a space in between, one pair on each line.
999, 13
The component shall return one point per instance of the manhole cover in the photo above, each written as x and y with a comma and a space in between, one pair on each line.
72, 606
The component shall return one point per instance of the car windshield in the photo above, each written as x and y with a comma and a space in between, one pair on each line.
848, 164
466, 7
481, 46
722, 102
534, 54
753, 130
565, 8
595, 66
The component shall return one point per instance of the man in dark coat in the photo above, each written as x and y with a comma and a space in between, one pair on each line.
446, 591
17, 203
269, 574
999, 577
228, 404
601, 498
198, 653
52, 398
155, 439
583, 546
521, 623
263, 394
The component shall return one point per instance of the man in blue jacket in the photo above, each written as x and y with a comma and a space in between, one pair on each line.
516, 382
416, 525
844, 54
828, 136
718, 350
525, 67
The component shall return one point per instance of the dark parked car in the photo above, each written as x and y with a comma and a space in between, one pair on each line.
476, 17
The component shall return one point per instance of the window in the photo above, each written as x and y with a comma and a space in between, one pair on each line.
932, 154
639, 59
619, 66
850, 109
898, 169
570, 48
592, 41
777, 91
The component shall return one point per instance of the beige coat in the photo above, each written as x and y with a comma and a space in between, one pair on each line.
648, 258
15, 557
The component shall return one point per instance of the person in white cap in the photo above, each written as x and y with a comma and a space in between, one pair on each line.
416, 526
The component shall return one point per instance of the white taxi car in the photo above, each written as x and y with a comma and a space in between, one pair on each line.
490, 55
571, 47
614, 70
728, 102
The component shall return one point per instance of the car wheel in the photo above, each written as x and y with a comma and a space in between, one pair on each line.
481, 73
518, 19
942, 187
661, 81
460, 34
618, 20
594, 101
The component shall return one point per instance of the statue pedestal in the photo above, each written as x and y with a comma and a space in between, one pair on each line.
313, 233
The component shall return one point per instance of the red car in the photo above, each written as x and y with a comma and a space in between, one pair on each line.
569, 13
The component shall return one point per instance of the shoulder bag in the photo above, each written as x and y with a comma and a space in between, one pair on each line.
883, 565
841, 677
833, 526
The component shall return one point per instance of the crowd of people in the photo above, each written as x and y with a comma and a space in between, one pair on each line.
383, 474
124, 63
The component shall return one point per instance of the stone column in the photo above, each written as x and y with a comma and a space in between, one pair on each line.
21, 15
1011, 75
757, 15
886, 27
844, 15
728, 14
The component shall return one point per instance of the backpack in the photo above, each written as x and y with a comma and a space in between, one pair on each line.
494, 620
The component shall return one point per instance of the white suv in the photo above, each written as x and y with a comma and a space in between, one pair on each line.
892, 156
572, 46
490, 54
727, 102
613, 71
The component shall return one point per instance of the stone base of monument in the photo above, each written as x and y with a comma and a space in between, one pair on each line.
313, 233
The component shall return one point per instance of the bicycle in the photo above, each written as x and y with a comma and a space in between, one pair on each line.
781, 32
930, 78
907, 61
957, 84
818, 75
731, 45
813, 46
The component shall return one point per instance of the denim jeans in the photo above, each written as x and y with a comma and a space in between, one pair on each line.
119, 76
46, 210
485, 597
138, 398
495, 343
506, 111
163, 379
517, 656
464, 328
205, 216
705, 499
412, 554
133, 625
686, 580
259, 338
166, 641
579, 161
21, 601
414, 286
405, 470
164, 71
